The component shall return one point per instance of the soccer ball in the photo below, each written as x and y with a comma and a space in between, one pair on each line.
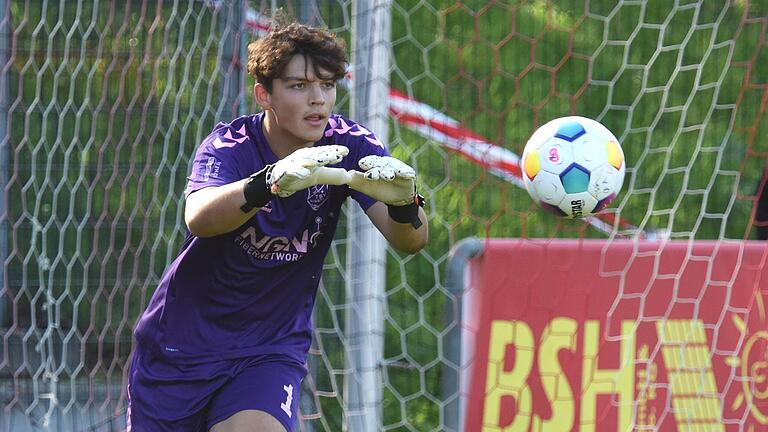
573, 166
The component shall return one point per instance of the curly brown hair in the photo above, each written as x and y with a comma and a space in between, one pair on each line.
268, 56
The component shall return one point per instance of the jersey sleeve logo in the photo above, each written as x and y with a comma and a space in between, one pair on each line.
212, 168
229, 139
340, 127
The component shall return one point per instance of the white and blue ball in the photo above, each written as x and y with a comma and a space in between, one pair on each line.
573, 166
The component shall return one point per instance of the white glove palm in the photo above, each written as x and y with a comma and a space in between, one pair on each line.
302, 169
385, 179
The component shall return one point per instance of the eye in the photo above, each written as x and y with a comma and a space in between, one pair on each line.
298, 85
329, 84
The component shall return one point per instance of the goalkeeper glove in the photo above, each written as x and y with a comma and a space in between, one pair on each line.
299, 170
385, 179
392, 182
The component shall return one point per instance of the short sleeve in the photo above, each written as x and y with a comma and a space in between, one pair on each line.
361, 143
216, 162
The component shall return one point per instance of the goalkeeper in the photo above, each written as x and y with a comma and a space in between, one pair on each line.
223, 342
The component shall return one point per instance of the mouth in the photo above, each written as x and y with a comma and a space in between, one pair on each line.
315, 118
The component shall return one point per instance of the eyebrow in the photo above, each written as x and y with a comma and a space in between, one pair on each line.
297, 78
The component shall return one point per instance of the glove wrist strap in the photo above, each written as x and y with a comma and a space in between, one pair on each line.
408, 213
256, 191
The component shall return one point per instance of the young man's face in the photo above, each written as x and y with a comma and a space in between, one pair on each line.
301, 102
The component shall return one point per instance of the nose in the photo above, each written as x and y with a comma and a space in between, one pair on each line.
316, 95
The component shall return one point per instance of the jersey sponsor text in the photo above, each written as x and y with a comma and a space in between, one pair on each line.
277, 248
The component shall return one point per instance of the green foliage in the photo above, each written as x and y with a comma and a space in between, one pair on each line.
674, 94
106, 118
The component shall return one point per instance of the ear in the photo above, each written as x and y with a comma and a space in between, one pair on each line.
262, 96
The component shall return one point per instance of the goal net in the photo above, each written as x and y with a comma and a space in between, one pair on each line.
103, 103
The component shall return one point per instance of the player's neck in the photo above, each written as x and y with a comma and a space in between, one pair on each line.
281, 142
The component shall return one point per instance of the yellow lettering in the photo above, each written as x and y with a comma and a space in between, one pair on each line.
501, 383
689, 368
559, 334
597, 381
647, 372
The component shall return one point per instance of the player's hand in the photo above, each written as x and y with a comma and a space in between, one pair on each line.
385, 179
301, 169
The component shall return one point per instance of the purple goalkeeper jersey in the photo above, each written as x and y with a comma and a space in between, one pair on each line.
251, 291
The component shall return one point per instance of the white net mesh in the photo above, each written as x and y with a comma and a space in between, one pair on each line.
102, 105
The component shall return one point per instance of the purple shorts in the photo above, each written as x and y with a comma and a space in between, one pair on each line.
169, 397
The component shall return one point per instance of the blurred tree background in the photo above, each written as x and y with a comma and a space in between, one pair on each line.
107, 102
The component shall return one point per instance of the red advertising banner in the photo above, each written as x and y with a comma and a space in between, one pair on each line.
616, 335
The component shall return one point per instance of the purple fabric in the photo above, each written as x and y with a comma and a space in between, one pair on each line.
163, 397
251, 291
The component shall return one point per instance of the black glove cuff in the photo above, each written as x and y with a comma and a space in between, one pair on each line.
408, 213
256, 190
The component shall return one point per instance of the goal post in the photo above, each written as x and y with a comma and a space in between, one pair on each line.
455, 342
366, 252
5, 97
233, 58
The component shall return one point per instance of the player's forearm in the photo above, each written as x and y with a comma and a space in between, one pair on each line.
408, 239
401, 236
216, 210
